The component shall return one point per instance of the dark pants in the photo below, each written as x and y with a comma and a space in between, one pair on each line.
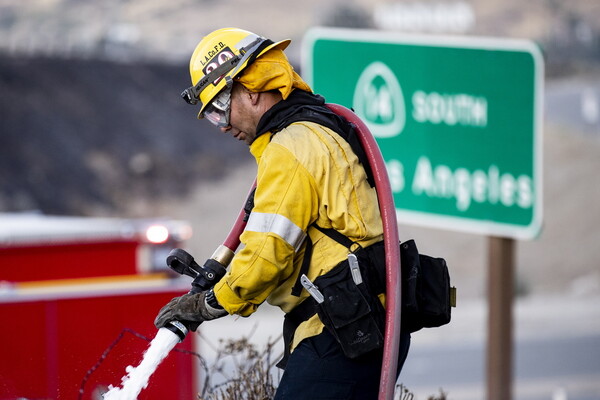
318, 369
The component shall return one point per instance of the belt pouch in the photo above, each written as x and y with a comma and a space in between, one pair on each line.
350, 312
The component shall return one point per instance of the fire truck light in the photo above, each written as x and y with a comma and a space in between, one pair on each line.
184, 232
157, 234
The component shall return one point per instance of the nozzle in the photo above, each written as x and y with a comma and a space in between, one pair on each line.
205, 276
183, 263
223, 255
210, 273
178, 328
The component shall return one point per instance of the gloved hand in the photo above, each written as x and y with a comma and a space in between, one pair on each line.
190, 309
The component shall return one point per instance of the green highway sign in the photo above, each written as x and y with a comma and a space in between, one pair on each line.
457, 119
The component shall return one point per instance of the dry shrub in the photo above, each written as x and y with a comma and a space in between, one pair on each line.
252, 377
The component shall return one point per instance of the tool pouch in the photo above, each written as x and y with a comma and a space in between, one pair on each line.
427, 296
426, 293
353, 315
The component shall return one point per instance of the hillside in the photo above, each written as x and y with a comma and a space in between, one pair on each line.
89, 137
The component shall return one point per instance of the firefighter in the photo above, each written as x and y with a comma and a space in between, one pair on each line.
312, 189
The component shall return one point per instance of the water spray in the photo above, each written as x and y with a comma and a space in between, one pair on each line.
205, 277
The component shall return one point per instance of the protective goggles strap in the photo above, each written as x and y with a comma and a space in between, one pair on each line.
191, 94
253, 52
250, 52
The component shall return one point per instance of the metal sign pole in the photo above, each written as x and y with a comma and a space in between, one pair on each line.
501, 266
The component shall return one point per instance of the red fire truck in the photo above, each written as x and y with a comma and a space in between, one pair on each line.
78, 297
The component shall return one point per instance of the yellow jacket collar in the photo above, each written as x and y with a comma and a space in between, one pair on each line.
259, 144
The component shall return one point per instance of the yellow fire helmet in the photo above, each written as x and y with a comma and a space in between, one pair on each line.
221, 56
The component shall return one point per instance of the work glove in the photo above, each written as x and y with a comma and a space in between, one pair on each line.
191, 309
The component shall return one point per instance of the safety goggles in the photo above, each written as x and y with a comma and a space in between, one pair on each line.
218, 111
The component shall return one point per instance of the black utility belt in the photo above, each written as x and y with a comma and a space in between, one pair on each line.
346, 301
346, 298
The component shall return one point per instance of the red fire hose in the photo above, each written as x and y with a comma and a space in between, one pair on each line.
387, 209
392, 250
232, 241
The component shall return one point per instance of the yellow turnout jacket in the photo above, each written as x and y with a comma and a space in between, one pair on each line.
306, 174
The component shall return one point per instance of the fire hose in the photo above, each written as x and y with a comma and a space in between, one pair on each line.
392, 252
214, 268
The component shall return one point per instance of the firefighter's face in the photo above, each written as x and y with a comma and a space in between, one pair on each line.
244, 115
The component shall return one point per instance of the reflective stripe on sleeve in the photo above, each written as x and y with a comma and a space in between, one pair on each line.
277, 224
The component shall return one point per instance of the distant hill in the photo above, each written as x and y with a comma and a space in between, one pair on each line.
89, 136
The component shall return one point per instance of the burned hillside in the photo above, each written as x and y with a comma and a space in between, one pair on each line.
83, 136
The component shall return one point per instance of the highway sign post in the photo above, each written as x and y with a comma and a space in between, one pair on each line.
458, 122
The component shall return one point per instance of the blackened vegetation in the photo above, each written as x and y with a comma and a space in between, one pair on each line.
86, 136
